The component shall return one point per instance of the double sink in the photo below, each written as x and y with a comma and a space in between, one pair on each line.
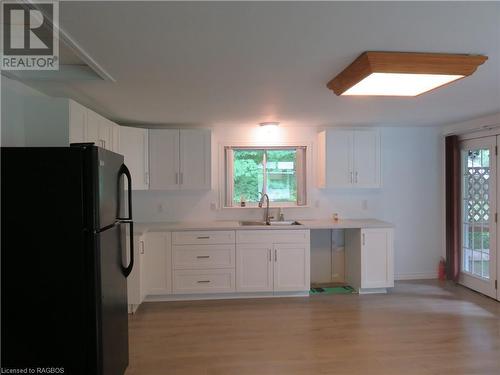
271, 223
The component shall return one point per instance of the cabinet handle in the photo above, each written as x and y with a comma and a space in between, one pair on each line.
275, 255
203, 281
270, 256
146, 178
356, 177
181, 178
351, 178
203, 238
142, 247
203, 256
177, 178
363, 239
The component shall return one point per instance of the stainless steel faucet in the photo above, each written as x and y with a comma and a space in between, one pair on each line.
267, 218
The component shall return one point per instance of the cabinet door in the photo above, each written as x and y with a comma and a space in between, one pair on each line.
339, 158
158, 263
92, 128
134, 148
105, 133
367, 158
77, 122
254, 268
195, 159
164, 159
377, 258
292, 267
115, 138
134, 279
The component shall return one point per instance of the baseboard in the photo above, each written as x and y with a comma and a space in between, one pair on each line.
416, 276
218, 296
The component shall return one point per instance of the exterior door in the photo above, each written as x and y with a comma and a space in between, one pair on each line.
479, 207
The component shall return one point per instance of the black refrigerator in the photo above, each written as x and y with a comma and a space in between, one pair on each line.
64, 259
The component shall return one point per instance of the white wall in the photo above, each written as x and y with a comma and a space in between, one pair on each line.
410, 197
30, 118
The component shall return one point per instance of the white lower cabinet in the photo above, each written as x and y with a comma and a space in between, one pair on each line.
291, 267
157, 275
135, 292
203, 262
370, 259
273, 260
254, 268
204, 281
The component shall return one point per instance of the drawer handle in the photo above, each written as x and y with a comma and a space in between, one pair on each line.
203, 256
203, 237
203, 281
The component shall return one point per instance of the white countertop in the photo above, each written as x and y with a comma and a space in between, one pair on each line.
143, 227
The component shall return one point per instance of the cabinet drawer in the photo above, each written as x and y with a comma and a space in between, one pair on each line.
202, 237
203, 281
272, 236
203, 256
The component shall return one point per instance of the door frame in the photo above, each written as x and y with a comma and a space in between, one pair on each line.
486, 287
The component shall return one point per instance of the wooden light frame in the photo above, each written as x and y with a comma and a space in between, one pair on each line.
406, 63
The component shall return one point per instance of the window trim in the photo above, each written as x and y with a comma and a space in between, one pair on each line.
226, 165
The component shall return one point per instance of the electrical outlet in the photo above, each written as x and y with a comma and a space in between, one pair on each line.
213, 206
364, 204
161, 208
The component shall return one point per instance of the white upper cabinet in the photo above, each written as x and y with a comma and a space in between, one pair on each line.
180, 159
164, 159
92, 133
105, 133
86, 125
366, 159
77, 122
133, 144
349, 159
195, 159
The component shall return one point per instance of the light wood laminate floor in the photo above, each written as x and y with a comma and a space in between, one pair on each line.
420, 328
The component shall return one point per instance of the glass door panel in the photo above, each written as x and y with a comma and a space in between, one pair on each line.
478, 266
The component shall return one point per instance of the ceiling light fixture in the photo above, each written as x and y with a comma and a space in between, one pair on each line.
269, 123
402, 73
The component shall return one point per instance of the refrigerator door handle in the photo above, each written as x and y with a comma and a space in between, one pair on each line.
126, 270
124, 171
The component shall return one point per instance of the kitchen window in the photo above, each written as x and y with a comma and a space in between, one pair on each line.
278, 171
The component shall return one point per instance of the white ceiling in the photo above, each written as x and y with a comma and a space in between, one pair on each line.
231, 63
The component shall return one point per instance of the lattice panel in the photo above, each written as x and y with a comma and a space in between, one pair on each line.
478, 208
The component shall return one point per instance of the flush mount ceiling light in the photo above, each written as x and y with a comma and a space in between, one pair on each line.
269, 123
402, 73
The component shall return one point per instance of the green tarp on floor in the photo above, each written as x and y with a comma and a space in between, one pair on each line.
333, 290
